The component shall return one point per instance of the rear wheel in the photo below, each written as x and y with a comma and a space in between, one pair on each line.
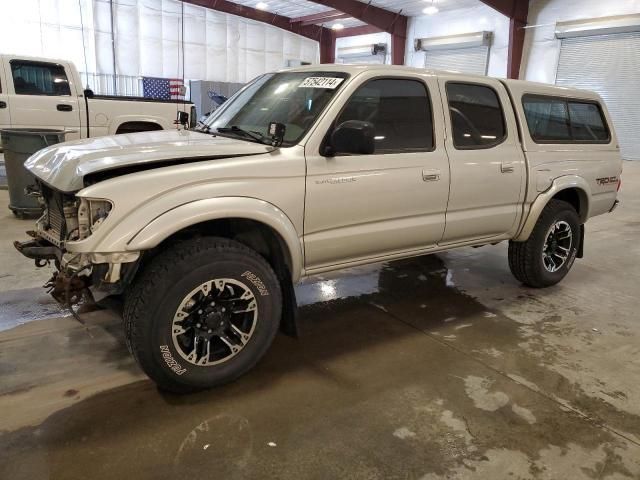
202, 314
550, 251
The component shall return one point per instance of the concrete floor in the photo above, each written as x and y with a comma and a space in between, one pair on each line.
435, 367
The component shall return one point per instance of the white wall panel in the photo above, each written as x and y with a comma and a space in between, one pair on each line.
99, 30
127, 36
148, 39
216, 45
150, 33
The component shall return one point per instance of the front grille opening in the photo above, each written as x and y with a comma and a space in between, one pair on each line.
54, 201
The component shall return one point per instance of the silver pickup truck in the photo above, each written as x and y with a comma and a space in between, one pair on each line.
204, 233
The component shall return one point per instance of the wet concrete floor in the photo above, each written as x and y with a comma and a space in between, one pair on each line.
434, 367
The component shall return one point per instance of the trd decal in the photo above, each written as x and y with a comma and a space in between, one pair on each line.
606, 180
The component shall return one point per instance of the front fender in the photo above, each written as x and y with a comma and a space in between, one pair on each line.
561, 183
199, 211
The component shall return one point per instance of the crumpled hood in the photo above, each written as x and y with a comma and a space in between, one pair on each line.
64, 166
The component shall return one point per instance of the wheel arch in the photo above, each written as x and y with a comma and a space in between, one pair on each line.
570, 188
132, 126
258, 224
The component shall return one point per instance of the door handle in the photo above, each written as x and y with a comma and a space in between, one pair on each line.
63, 107
430, 175
507, 167
3, 104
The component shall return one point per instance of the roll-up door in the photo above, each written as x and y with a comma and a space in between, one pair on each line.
358, 59
472, 60
370, 53
608, 64
464, 53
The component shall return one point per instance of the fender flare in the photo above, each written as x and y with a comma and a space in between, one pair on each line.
561, 183
198, 211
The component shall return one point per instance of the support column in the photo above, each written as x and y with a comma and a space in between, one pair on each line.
399, 41
516, 46
328, 46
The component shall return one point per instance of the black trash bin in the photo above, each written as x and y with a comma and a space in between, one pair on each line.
19, 144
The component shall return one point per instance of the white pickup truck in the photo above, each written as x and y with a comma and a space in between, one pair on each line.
44, 93
204, 233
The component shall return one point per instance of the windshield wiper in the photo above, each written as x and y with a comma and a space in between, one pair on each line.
202, 127
255, 136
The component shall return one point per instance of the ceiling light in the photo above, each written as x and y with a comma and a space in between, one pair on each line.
262, 6
337, 26
430, 10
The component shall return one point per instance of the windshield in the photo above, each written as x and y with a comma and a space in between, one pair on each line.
294, 99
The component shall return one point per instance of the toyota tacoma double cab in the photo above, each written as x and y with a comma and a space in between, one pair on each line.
204, 233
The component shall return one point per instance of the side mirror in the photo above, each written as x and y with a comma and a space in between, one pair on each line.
353, 136
88, 93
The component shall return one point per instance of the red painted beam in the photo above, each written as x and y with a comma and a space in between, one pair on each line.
399, 43
509, 8
321, 17
518, 12
385, 20
355, 31
517, 23
314, 32
328, 47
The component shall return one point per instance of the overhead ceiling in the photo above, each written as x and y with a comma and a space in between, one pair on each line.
303, 8
413, 8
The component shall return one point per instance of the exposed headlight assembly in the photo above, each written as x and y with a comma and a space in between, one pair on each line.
91, 214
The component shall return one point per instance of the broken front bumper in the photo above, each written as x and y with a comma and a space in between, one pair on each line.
66, 286
104, 273
39, 250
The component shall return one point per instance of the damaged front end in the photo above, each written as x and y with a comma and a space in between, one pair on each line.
79, 277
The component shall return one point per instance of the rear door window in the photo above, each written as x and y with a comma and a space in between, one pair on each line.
39, 78
561, 120
477, 119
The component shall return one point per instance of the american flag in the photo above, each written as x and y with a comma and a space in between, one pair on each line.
162, 88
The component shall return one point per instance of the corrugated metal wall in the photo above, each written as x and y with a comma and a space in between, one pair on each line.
609, 65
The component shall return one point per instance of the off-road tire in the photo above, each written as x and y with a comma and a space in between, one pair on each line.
158, 291
526, 258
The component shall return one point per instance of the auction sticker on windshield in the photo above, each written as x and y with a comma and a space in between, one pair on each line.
321, 82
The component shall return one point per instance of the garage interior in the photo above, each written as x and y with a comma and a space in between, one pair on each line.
435, 367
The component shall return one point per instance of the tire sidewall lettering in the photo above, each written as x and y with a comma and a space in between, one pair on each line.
175, 366
572, 258
255, 280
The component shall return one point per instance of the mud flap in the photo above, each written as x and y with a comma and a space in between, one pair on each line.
289, 321
580, 253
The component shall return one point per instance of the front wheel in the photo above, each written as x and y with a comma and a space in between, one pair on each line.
202, 313
548, 254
